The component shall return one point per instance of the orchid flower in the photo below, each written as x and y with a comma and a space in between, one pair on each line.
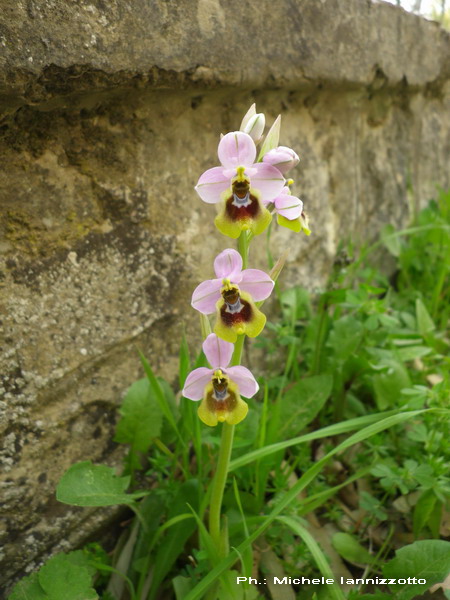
219, 388
241, 186
289, 211
282, 157
232, 296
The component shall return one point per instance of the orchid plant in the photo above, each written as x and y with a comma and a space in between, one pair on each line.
174, 455
248, 187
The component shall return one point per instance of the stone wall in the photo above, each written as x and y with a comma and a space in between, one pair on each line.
109, 113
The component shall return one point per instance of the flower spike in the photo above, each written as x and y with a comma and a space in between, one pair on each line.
219, 388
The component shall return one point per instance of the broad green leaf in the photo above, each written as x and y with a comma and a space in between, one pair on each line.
160, 396
272, 138
61, 578
350, 549
425, 323
345, 337
82, 559
423, 511
181, 585
85, 484
425, 559
28, 589
301, 403
388, 384
412, 352
141, 417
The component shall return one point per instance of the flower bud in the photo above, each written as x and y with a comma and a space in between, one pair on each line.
283, 158
255, 126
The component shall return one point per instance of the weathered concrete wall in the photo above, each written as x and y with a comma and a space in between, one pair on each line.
110, 112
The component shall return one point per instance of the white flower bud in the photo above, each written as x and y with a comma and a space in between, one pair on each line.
255, 127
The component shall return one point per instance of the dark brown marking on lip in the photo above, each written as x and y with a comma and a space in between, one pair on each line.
228, 404
243, 316
238, 213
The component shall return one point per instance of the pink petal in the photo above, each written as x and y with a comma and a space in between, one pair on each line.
257, 283
217, 351
211, 184
236, 149
206, 295
196, 382
289, 206
248, 385
228, 264
268, 181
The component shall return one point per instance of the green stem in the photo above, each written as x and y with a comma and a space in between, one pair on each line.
237, 352
220, 479
243, 244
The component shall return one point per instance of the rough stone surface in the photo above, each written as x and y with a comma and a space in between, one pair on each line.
110, 112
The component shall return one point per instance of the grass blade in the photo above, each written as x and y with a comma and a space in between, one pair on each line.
329, 431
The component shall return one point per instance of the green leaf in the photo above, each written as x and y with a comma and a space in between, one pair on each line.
425, 323
350, 549
412, 352
85, 484
388, 384
435, 518
391, 240
423, 510
272, 138
28, 589
345, 336
61, 578
160, 396
425, 559
181, 585
141, 417
302, 402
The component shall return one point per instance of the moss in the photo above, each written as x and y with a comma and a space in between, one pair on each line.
28, 234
